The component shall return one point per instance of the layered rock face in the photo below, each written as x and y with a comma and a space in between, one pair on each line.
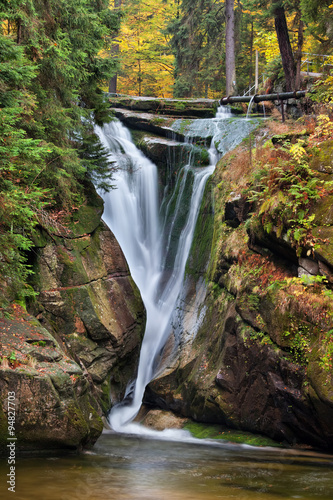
77, 357
255, 338
45, 395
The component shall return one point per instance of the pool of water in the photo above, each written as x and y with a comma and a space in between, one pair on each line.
134, 468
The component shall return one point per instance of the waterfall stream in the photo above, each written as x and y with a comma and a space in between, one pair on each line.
132, 211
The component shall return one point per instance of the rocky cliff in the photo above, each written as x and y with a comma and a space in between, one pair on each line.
79, 345
254, 326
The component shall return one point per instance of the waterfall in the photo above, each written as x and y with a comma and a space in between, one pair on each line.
249, 108
132, 213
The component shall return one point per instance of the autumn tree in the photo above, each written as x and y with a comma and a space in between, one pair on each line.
144, 51
317, 14
114, 51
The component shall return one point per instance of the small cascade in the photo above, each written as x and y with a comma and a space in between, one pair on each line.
249, 108
132, 213
223, 112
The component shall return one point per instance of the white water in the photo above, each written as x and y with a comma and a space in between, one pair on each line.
132, 213
249, 108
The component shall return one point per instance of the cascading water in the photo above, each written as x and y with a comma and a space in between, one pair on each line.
132, 213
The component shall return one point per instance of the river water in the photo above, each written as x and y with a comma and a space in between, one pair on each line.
124, 467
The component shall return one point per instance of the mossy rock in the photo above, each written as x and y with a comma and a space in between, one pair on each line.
322, 159
203, 235
204, 431
325, 236
288, 137
86, 219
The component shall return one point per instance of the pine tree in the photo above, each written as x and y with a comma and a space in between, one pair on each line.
198, 45
50, 77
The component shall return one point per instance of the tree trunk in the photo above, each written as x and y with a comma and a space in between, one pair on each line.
299, 54
114, 53
230, 65
286, 52
113, 80
251, 56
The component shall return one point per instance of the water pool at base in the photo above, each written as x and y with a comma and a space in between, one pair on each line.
133, 468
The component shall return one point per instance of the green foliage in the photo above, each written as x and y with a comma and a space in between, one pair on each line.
326, 361
197, 42
318, 16
40, 343
299, 342
322, 91
50, 73
283, 192
12, 357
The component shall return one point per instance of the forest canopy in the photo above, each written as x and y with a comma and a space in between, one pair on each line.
177, 48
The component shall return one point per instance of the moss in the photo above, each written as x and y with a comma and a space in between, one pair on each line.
86, 219
321, 161
73, 272
76, 419
204, 431
39, 237
291, 136
203, 235
158, 121
182, 206
105, 399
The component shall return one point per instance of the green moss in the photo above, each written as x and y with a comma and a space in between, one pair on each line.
105, 399
39, 237
158, 121
73, 271
204, 431
203, 235
86, 219
288, 137
322, 158
76, 418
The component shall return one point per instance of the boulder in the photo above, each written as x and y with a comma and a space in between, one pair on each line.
87, 296
48, 394
70, 361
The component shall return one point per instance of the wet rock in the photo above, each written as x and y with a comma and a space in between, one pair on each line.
308, 266
87, 294
260, 359
203, 108
54, 405
236, 210
81, 348
160, 420
149, 123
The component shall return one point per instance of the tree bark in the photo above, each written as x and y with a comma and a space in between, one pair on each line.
286, 52
251, 56
299, 54
113, 80
230, 65
114, 53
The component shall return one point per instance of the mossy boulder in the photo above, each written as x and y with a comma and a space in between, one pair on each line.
81, 346
204, 108
86, 291
54, 405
